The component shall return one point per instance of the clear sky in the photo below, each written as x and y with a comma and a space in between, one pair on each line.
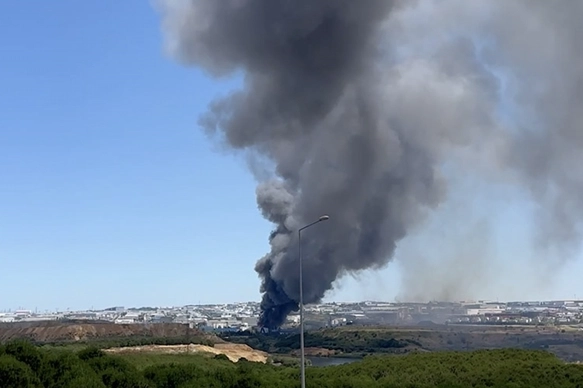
111, 195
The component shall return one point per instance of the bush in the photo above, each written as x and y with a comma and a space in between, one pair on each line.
65, 369
174, 376
17, 374
27, 353
91, 353
24, 365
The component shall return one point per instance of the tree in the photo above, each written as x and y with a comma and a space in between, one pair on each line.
16, 374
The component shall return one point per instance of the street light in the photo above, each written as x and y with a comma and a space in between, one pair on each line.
302, 357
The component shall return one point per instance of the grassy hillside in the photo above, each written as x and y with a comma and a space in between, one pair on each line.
25, 365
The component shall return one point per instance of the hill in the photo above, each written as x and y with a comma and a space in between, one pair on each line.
104, 332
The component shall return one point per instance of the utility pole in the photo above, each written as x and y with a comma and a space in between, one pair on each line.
302, 353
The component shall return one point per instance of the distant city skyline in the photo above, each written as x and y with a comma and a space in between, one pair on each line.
573, 297
246, 315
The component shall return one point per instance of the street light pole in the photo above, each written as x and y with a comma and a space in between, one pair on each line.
302, 355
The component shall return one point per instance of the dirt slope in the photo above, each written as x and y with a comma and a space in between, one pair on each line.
86, 330
233, 351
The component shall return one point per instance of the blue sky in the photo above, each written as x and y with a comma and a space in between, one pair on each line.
110, 194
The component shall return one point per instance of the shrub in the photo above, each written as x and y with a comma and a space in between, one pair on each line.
17, 374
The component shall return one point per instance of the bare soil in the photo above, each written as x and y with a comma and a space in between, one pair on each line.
54, 331
233, 351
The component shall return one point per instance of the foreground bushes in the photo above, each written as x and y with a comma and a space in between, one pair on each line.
25, 365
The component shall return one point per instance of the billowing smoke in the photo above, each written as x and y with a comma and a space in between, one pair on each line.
360, 109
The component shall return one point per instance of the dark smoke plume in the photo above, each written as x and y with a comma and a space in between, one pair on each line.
359, 107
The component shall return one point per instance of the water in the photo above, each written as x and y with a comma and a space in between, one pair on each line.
331, 361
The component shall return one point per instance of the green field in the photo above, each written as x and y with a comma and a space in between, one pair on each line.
25, 365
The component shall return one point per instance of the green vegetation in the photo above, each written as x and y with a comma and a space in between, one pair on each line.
357, 341
23, 364
352, 342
